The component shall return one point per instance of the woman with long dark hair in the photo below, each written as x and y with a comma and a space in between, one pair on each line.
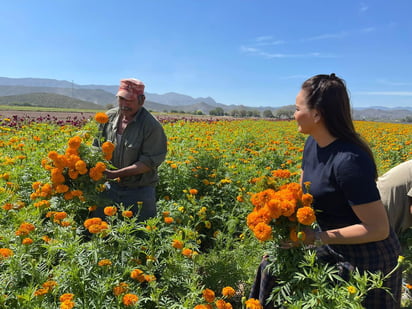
341, 170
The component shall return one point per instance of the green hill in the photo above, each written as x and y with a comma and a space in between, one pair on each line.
47, 100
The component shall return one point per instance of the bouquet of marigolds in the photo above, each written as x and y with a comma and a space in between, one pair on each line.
76, 172
281, 212
281, 209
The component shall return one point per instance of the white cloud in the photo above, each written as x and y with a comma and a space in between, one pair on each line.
326, 36
269, 55
267, 40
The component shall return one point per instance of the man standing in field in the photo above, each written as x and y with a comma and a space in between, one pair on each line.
140, 147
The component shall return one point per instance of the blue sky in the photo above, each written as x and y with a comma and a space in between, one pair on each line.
255, 53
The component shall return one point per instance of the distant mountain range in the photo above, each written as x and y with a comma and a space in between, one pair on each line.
33, 91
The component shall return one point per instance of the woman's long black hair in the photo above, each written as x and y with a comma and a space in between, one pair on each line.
329, 96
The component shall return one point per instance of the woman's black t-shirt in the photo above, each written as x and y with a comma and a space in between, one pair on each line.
341, 175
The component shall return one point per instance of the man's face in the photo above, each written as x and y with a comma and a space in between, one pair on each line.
128, 108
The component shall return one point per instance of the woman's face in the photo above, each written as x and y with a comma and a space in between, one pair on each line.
304, 116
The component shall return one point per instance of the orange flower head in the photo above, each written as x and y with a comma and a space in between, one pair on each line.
263, 231
193, 191
178, 244
253, 303
120, 289
101, 118
75, 142
27, 241
130, 299
5, 253
307, 199
187, 252
306, 215
208, 295
137, 274
127, 213
110, 210
228, 291
104, 262
66, 297
168, 220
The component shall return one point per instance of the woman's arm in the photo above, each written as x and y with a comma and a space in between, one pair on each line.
374, 226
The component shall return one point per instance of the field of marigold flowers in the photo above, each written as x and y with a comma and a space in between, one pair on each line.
203, 248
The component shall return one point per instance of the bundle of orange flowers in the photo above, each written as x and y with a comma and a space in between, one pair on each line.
77, 170
280, 209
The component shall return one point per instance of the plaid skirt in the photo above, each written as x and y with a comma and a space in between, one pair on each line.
375, 256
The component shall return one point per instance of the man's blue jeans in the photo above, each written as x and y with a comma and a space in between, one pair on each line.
130, 198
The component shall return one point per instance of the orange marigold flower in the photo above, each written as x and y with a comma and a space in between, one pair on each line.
187, 252
221, 304
409, 286
7, 206
53, 155
306, 215
104, 262
149, 278
101, 118
95, 174
77, 193
281, 173
27, 241
228, 291
60, 215
288, 207
66, 296
75, 142
262, 231
73, 174
274, 208
137, 274
110, 210
307, 199
168, 220
166, 213
46, 238
67, 304
208, 295
266, 195
130, 299
207, 306
127, 213
255, 217
120, 289
92, 221
62, 188
68, 196
40, 292
178, 244
100, 166
252, 303
25, 228
108, 147
193, 191
80, 166
5, 253
50, 284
